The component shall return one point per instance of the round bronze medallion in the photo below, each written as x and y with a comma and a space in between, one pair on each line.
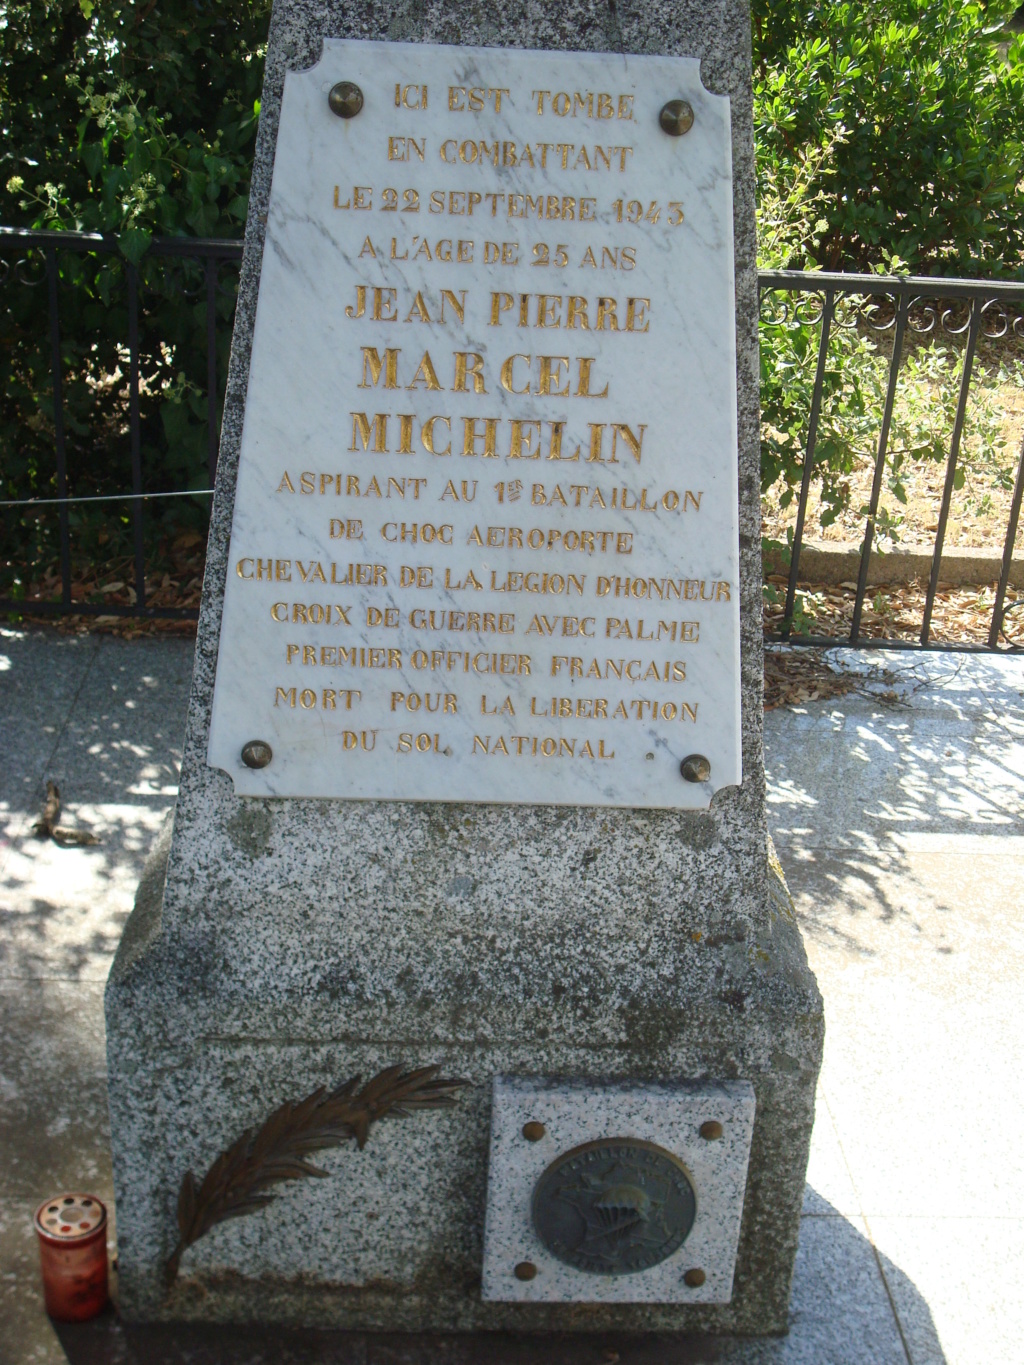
615, 1206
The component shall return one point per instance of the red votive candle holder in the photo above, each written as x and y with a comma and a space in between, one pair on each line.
72, 1232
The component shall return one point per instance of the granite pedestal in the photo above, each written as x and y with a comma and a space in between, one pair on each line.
280, 945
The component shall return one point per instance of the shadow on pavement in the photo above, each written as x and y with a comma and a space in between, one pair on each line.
842, 1314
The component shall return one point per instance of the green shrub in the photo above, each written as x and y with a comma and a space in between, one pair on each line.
137, 120
904, 120
889, 138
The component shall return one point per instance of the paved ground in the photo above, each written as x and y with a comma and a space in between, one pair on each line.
897, 813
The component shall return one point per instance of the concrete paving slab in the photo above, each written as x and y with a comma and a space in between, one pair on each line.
869, 776
54, 1122
841, 1313
115, 760
41, 671
829, 1189
947, 921
969, 1272
907, 883
925, 1108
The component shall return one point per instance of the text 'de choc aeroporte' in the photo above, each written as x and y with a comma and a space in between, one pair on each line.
484, 543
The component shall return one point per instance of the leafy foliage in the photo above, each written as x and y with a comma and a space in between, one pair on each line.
138, 120
903, 121
888, 139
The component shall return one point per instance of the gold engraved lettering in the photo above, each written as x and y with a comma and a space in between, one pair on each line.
507, 375
555, 583
428, 438
489, 436
571, 708
384, 305
415, 576
583, 104
551, 377
635, 628
469, 365
506, 708
540, 746
619, 670
561, 625
665, 589
404, 148
420, 744
470, 581
374, 367
444, 702
465, 661
473, 99
425, 375
410, 96
570, 311
583, 541
364, 431
400, 533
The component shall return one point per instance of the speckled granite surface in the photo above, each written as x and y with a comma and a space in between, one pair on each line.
573, 1116
294, 943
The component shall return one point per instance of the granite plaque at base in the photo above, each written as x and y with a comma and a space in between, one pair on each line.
472, 812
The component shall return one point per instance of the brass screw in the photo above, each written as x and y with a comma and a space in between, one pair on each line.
695, 768
533, 1131
525, 1270
695, 1278
712, 1130
257, 753
345, 99
676, 118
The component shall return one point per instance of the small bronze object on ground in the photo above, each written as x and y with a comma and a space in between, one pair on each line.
533, 1131
48, 828
234, 1184
712, 1130
525, 1270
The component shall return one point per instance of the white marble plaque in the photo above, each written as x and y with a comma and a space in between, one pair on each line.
574, 1113
485, 538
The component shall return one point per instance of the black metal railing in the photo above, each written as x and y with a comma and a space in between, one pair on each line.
907, 310
18, 247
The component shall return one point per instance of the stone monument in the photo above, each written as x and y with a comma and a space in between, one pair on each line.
472, 802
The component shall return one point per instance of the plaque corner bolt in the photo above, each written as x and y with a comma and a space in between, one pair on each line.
711, 1131
533, 1131
257, 753
694, 1278
345, 99
695, 768
525, 1270
676, 117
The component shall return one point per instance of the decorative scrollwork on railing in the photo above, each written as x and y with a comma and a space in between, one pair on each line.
185, 277
996, 322
877, 312
781, 307
28, 269
1012, 629
931, 314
